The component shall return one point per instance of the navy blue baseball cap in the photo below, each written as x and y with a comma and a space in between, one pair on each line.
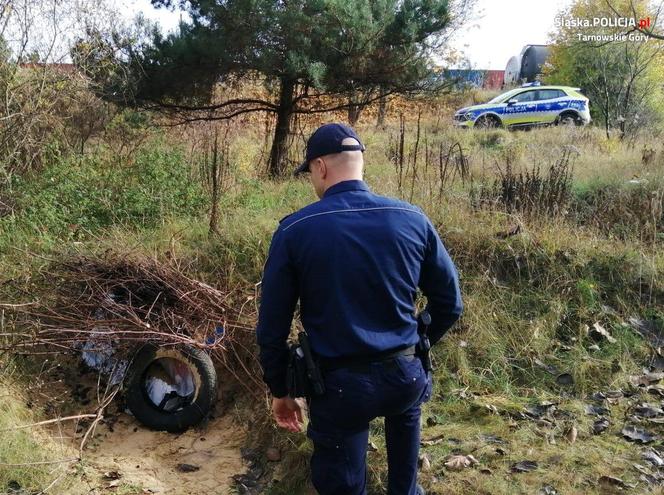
326, 140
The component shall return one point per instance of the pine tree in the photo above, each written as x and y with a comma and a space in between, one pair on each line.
302, 50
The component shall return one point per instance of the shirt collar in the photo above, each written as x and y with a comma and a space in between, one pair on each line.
347, 185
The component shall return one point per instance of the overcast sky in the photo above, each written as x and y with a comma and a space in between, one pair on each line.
498, 30
502, 27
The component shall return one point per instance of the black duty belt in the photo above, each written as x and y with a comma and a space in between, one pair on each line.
355, 361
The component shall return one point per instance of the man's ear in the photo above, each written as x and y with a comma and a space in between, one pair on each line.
323, 168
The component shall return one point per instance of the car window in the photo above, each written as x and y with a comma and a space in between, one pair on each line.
501, 98
525, 96
549, 94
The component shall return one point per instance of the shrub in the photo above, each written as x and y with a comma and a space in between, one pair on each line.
622, 209
532, 192
79, 194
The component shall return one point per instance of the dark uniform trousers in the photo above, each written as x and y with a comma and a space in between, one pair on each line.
339, 425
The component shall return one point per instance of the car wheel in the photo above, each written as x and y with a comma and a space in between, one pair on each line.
569, 120
487, 122
170, 388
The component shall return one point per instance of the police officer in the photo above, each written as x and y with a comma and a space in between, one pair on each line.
354, 260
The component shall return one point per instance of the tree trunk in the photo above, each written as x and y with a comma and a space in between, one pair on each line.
382, 111
354, 111
214, 172
279, 151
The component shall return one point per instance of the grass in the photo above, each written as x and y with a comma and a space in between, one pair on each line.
528, 297
22, 450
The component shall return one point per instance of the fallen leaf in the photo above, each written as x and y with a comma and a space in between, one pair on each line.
459, 462
634, 434
656, 362
541, 409
523, 466
657, 389
424, 462
492, 439
608, 310
611, 481
493, 409
648, 476
549, 368
646, 379
647, 410
651, 479
462, 393
653, 457
547, 490
648, 329
571, 434
544, 423
611, 396
642, 469
600, 425
432, 441
598, 332
113, 484
372, 447
594, 410
112, 475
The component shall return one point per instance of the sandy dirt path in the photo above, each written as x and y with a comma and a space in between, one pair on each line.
150, 459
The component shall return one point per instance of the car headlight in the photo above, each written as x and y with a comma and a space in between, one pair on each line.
462, 117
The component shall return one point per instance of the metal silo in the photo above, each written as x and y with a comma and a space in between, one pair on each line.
532, 60
513, 71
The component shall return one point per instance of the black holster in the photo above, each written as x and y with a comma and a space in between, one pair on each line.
424, 353
423, 349
304, 378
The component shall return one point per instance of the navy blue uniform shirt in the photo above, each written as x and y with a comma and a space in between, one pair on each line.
354, 260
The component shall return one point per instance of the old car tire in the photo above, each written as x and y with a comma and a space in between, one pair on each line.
186, 372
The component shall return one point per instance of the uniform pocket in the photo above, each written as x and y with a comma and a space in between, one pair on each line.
410, 368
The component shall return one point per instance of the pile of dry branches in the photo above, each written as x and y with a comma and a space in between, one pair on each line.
121, 302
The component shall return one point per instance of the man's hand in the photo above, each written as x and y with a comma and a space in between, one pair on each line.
287, 413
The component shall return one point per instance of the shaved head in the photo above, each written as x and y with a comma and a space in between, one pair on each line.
329, 170
346, 159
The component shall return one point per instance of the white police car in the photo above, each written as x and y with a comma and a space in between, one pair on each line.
527, 106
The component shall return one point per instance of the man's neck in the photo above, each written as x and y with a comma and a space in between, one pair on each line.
343, 179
